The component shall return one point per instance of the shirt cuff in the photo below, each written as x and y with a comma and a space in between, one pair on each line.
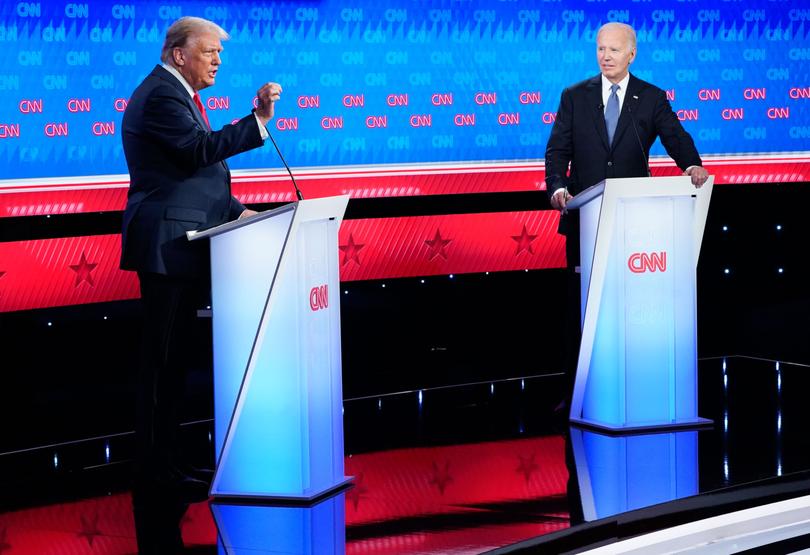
262, 128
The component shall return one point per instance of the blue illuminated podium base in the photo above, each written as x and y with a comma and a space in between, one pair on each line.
642, 428
303, 498
639, 243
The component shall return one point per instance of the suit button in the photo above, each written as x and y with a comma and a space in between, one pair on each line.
610, 164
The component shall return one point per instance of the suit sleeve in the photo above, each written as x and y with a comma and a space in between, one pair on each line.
677, 142
236, 208
169, 121
560, 147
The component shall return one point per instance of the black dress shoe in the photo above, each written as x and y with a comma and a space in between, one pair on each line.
188, 489
177, 486
202, 474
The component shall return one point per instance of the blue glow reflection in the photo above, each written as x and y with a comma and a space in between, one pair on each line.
622, 473
316, 530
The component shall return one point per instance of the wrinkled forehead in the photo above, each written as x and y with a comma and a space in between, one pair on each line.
205, 40
613, 37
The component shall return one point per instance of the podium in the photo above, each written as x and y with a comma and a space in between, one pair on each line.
639, 243
278, 415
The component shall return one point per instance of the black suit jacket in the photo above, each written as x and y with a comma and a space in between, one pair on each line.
579, 137
179, 180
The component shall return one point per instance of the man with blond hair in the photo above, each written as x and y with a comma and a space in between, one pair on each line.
604, 128
179, 181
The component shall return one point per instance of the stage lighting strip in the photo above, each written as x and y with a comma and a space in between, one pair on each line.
31, 197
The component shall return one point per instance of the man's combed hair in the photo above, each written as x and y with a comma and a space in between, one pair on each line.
628, 30
182, 30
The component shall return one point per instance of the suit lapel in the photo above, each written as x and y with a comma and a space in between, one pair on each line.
594, 93
164, 74
630, 102
196, 112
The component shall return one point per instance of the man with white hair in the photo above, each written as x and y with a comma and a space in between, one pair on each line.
179, 181
604, 128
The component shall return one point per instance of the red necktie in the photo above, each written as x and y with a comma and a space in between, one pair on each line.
200, 106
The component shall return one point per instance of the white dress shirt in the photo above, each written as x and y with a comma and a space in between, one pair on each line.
606, 84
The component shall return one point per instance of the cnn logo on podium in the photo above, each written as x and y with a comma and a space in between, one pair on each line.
641, 262
319, 298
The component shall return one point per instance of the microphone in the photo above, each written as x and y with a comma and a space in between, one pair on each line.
640, 145
283, 161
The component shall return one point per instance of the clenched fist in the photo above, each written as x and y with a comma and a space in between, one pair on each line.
267, 96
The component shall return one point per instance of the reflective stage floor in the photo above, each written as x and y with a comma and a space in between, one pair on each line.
453, 470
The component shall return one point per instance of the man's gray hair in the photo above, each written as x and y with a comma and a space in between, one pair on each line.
183, 30
629, 31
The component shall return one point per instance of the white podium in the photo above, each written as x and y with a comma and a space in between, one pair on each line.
277, 365
639, 242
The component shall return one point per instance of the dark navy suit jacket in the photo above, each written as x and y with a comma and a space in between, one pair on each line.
179, 180
579, 137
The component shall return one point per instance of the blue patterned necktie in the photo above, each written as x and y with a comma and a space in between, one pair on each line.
612, 112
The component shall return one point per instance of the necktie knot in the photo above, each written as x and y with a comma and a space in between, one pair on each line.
201, 108
614, 88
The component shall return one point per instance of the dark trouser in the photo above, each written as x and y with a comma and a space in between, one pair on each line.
169, 315
572, 324
169, 312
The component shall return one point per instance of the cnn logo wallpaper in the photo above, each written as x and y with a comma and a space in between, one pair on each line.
398, 82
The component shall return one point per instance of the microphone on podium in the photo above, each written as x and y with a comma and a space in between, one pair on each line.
638, 138
283, 161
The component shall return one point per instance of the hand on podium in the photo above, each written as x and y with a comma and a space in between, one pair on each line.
559, 199
246, 213
698, 174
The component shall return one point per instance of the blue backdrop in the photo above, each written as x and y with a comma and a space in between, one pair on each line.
410, 81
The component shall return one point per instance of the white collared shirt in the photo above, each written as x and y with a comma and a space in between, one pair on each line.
606, 84
191, 91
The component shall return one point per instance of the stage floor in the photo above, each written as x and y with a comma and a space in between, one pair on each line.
461, 469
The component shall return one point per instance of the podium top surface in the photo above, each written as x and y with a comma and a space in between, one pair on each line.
637, 187
319, 208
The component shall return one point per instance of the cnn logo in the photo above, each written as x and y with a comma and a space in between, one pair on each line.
319, 297
640, 262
